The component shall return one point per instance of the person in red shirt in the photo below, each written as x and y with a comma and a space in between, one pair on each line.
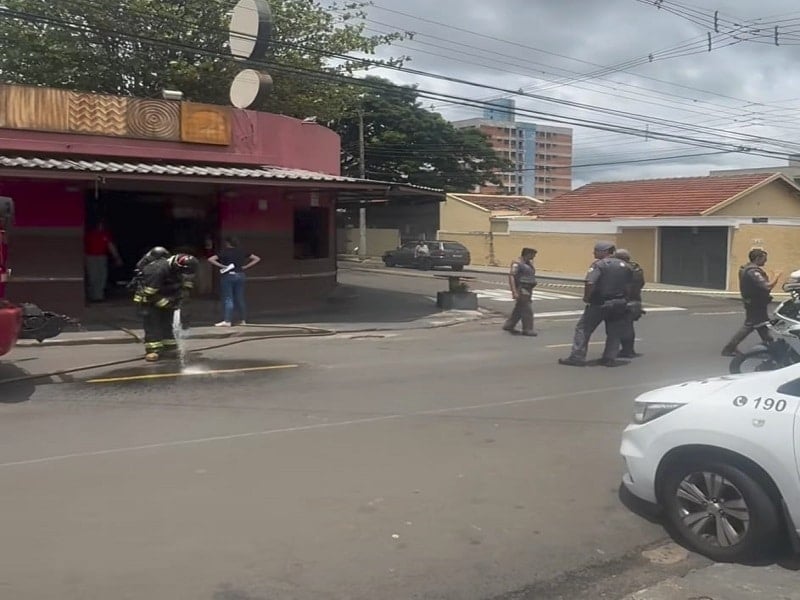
98, 244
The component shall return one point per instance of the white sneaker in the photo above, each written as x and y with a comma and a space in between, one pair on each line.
243, 323
223, 324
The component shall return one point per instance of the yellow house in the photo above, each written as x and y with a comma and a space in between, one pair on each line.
477, 216
693, 231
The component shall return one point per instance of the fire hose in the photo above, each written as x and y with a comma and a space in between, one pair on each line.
298, 331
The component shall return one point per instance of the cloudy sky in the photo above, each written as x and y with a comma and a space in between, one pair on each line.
745, 93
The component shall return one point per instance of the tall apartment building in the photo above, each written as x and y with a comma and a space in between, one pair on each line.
541, 155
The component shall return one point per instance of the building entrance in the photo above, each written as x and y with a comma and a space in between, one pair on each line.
137, 221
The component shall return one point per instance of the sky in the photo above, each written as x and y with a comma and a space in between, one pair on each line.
627, 63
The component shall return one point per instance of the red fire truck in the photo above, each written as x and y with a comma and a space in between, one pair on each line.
27, 321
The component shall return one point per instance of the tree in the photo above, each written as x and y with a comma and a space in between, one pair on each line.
404, 142
140, 47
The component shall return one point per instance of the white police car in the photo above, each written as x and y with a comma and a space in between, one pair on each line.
721, 458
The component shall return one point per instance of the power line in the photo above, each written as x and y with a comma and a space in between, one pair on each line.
720, 145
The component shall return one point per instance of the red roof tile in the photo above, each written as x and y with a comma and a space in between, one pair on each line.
680, 197
494, 202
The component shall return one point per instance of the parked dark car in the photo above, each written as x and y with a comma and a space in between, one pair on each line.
442, 254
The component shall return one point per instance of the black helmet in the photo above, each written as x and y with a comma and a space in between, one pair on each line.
186, 263
154, 254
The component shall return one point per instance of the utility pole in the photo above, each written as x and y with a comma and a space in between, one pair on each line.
362, 211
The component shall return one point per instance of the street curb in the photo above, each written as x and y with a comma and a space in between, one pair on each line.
444, 319
553, 282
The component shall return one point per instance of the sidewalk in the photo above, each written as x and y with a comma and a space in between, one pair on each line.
553, 279
727, 582
350, 309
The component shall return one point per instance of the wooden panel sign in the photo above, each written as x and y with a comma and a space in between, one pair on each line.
205, 124
154, 119
102, 115
43, 109
48, 109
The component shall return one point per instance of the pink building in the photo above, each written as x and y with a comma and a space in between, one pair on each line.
173, 174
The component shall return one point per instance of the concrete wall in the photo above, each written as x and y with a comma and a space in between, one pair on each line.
378, 240
568, 254
46, 244
456, 216
641, 243
774, 200
478, 244
779, 240
257, 139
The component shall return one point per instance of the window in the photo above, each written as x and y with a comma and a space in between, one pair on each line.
311, 233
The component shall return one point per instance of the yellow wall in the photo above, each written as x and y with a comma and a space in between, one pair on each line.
780, 241
565, 253
478, 244
455, 215
378, 240
774, 200
641, 243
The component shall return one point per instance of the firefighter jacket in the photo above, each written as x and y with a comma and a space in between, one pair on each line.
162, 285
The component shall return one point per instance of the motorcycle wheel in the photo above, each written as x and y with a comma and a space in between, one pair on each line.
753, 362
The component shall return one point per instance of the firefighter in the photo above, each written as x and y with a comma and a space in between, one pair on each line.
153, 254
166, 283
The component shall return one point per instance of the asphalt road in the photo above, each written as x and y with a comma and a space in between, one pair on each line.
455, 463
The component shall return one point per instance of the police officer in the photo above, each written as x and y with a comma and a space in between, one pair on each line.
606, 291
522, 280
755, 288
635, 310
165, 284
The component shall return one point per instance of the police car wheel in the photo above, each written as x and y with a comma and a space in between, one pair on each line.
388, 261
720, 510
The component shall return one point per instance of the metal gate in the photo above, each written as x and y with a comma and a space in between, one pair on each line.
694, 256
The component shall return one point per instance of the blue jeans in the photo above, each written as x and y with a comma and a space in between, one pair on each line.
232, 285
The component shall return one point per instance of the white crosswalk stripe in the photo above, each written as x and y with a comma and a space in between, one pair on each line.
504, 295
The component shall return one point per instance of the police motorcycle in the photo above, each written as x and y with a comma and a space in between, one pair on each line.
785, 329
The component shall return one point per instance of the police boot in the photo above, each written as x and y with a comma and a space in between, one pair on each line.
730, 348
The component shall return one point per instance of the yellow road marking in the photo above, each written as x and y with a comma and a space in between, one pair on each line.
192, 374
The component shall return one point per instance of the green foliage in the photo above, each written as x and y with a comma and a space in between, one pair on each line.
406, 143
139, 47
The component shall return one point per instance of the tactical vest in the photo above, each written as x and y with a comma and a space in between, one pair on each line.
615, 276
526, 275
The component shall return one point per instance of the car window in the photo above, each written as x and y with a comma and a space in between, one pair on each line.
790, 388
456, 247
410, 246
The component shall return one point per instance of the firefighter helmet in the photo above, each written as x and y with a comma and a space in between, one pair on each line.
185, 263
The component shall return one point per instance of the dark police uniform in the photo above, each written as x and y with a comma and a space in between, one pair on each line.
524, 274
635, 310
756, 295
608, 303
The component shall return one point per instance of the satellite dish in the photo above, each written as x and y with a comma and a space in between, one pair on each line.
250, 30
250, 86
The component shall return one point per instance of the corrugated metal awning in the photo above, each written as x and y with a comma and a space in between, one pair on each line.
351, 190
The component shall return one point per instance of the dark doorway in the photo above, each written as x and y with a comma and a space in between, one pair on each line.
311, 233
694, 256
138, 221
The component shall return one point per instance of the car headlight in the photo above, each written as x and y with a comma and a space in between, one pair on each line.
644, 412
